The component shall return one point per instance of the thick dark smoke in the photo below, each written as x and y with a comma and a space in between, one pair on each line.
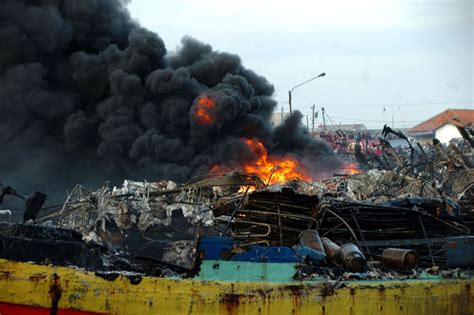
88, 95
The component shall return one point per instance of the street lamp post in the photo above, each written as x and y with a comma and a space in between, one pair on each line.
290, 91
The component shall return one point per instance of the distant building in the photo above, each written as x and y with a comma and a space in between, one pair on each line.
444, 126
346, 127
276, 118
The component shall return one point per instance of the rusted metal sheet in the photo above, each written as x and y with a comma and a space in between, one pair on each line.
460, 252
30, 285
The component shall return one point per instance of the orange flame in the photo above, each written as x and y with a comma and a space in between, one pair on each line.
247, 189
204, 105
271, 168
351, 169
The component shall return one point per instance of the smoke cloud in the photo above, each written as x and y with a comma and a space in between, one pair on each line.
88, 95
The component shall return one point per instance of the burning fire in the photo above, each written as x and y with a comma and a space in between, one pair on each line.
351, 169
271, 168
204, 106
247, 189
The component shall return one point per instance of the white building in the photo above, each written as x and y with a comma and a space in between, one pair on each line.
278, 118
444, 126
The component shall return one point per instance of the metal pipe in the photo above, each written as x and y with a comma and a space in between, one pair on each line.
360, 230
333, 251
235, 210
279, 220
399, 258
426, 237
352, 257
310, 238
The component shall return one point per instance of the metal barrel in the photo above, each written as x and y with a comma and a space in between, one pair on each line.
310, 238
399, 258
333, 251
352, 257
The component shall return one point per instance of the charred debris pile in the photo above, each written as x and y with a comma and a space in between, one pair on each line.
108, 100
378, 224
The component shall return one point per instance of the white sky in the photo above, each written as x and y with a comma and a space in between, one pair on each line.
413, 56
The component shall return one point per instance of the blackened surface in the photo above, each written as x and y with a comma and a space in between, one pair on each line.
65, 248
33, 205
39, 232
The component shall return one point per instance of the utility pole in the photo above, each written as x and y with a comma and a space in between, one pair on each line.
324, 118
281, 121
392, 122
307, 122
313, 116
289, 101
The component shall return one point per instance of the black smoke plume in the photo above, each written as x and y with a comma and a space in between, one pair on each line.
87, 94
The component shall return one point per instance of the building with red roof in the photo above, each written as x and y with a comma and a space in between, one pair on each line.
445, 126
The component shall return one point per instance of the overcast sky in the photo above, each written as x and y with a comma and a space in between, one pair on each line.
413, 57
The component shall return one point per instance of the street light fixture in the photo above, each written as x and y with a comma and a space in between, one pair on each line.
290, 91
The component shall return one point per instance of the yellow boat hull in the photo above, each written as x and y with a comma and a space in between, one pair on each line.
30, 285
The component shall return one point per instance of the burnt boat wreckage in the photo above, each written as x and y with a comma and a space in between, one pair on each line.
386, 223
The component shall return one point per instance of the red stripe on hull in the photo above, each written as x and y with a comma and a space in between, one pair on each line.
17, 309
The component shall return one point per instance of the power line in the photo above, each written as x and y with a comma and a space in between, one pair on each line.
332, 122
336, 105
378, 121
402, 124
400, 104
